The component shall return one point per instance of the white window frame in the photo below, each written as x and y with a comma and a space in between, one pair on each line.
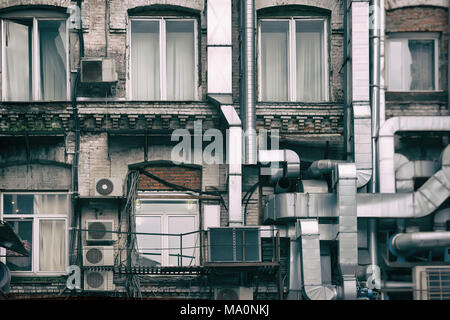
35, 61
35, 218
162, 53
292, 59
165, 223
405, 37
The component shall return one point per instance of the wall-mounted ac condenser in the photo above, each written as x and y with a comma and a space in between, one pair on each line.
99, 231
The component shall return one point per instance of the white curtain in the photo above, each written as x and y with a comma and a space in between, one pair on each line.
180, 60
310, 82
52, 245
52, 40
145, 60
274, 61
17, 54
50, 204
422, 66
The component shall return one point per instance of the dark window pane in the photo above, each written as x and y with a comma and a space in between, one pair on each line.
18, 203
422, 64
24, 230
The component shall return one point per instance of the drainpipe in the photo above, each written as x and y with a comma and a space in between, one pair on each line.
248, 91
375, 104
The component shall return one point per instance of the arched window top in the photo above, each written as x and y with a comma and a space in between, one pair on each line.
163, 10
293, 10
34, 12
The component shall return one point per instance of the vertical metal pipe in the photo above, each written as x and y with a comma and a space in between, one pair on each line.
375, 105
249, 105
448, 61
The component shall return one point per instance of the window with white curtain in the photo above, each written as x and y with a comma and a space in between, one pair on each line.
164, 226
293, 60
34, 58
41, 222
412, 62
163, 59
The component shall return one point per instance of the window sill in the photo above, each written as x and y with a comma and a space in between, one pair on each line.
416, 96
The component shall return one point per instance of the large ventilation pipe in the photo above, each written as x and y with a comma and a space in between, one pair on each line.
403, 242
313, 288
406, 171
248, 91
288, 158
387, 148
441, 218
410, 205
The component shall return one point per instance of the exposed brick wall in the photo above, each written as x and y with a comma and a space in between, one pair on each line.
417, 19
183, 176
423, 19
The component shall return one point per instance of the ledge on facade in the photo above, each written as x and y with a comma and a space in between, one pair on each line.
417, 97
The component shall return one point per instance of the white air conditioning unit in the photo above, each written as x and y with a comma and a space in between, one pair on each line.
233, 293
97, 231
98, 280
234, 244
109, 187
98, 256
431, 282
98, 70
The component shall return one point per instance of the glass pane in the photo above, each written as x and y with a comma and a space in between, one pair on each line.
310, 61
422, 66
18, 60
149, 246
251, 244
52, 245
52, 44
221, 244
395, 73
145, 60
18, 204
51, 203
166, 206
274, 60
180, 60
15, 261
178, 225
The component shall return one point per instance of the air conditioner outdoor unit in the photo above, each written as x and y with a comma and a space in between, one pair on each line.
98, 280
431, 282
109, 187
234, 244
98, 255
97, 231
233, 293
98, 70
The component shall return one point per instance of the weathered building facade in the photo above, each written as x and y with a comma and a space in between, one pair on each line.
99, 96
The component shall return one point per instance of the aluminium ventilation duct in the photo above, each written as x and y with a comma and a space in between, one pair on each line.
404, 242
386, 143
345, 179
441, 218
234, 155
314, 289
410, 205
406, 171
289, 158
